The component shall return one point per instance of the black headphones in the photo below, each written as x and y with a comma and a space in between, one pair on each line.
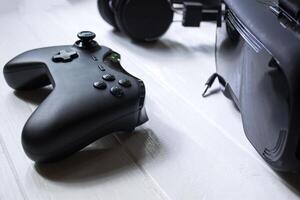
147, 20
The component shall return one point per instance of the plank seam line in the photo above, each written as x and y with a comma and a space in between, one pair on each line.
165, 85
161, 193
12, 167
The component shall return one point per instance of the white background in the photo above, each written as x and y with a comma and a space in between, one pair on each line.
191, 148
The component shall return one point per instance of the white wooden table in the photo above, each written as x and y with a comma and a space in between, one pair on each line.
191, 148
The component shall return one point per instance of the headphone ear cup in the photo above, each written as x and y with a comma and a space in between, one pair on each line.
106, 12
144, 20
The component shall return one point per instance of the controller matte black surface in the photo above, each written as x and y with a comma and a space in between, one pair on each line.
76, 113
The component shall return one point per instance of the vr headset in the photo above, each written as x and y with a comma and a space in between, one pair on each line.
258, 61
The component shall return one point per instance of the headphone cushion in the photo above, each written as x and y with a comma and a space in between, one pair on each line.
144, 20
106, 12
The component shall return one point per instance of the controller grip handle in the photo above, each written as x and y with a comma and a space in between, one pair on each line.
23, 74
43, 142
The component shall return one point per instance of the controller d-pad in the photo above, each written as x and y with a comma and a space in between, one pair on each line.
65, 56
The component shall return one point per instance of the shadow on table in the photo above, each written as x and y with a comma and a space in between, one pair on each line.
106, 158
112, 155
34, 97
292, 181
161, 46
9, 6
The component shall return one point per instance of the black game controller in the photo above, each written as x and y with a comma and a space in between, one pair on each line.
92, 96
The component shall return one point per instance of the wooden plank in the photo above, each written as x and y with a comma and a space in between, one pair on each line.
9, 189
102, 171
192, 148
197, 147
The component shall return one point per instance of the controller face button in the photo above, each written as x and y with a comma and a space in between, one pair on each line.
65, 56
108, 77
125, 83
100, 85
117, 91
